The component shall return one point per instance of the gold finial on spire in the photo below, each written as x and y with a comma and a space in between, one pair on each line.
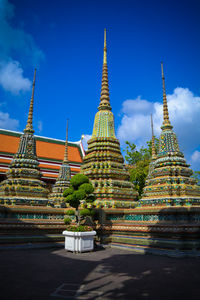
105, 49
166, 121
153, 149
29, 125
66, 145
105, 99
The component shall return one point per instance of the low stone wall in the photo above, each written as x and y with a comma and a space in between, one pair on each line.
167, 229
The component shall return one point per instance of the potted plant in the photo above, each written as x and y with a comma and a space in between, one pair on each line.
79, 238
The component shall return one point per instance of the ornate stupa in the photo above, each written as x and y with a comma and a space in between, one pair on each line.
63, 180
170, 182
103, 162
23, 184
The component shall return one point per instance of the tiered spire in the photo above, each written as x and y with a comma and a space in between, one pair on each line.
153, 149
169, 181
66, 146
23, 184
166, 121
63, 180
104, 99
29, 125
103, 162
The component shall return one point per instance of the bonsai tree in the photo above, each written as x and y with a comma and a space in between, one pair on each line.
80, 189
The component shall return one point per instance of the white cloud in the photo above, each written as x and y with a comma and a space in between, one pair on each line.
8, 123
86, 138
12, 79
40, 125
195, 160
184, 112
196, 156
15, 40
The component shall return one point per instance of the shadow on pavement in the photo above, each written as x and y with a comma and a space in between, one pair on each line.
110, 274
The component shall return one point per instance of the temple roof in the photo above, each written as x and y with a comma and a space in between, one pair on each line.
50, 153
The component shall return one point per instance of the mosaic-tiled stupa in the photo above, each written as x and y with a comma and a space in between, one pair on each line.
103, 162
23, 184
170, 182
63, 180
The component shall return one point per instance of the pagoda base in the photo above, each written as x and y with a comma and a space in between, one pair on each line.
170, 201
115, 203
30, 201
170, 231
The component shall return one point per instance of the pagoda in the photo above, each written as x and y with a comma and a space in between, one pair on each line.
63, 180
169, 182
103, 162
23, 185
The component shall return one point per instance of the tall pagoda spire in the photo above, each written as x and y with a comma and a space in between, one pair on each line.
153, 141
66, 146
103, 162
166, 121
104, 99
29, 125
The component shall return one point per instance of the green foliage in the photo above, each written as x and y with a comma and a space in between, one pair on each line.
138, 175
79, 194
139, 159
67, 221
70, 198
68, 191
80, 228
78, 180
87, 187
80, 189
134, 156
70, 212
196, 175
87, 212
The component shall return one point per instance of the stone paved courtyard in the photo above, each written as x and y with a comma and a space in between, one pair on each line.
103, 274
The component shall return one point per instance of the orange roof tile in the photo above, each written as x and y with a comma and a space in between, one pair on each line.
50, 152
50, 149
9, 143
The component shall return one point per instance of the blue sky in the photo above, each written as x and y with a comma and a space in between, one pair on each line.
64, 41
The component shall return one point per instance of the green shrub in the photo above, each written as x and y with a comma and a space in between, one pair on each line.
80, 194
79, 228
68, 191
79, 179
87, 187
67, 221
80, 189
87, 212
70, 212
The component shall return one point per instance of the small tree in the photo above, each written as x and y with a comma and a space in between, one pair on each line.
80, 189
139, 161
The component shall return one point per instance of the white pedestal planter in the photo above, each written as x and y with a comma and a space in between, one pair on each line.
79, 241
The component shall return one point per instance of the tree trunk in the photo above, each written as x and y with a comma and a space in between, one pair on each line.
77, 217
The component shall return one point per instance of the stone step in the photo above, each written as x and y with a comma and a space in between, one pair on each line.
31, 241
156, 251
144, 242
